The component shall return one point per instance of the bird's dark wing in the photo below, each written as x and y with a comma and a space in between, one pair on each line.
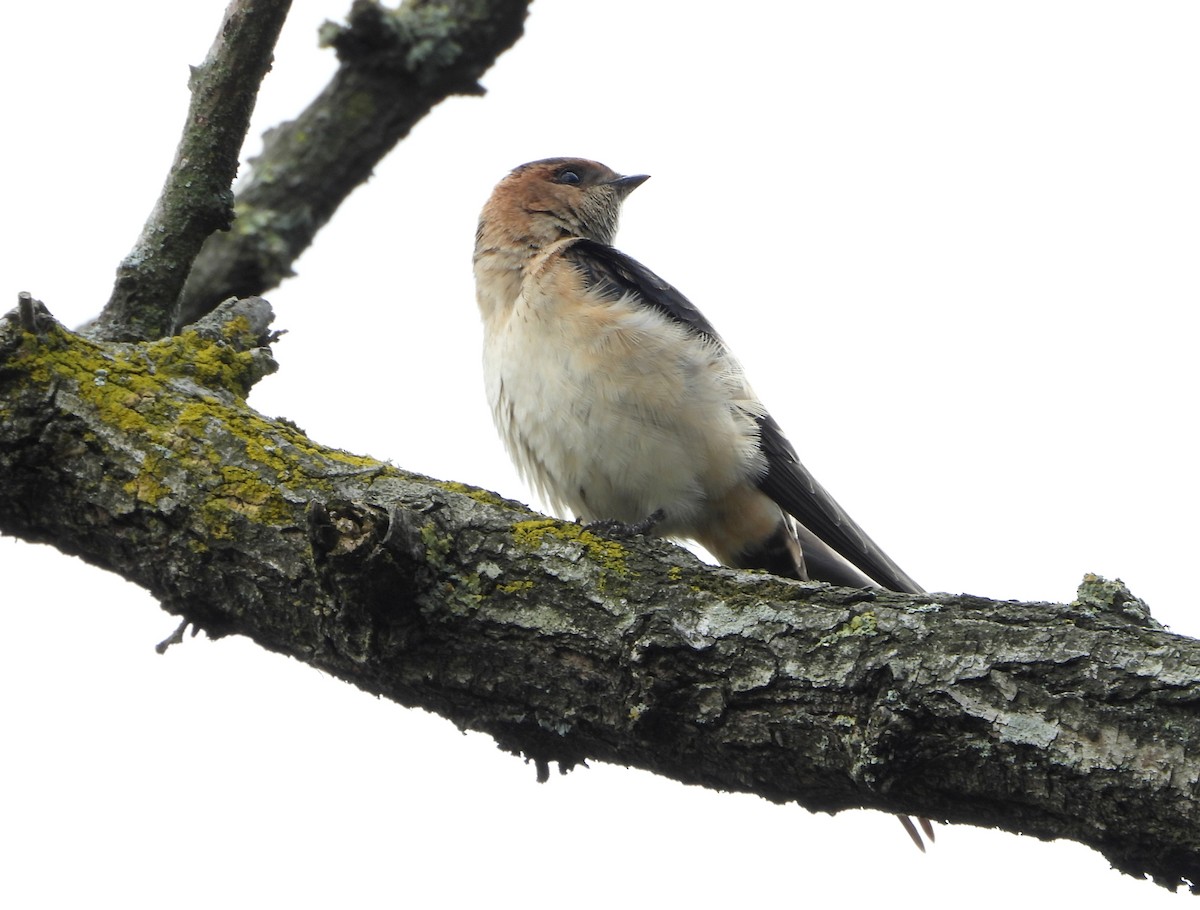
797, 492
606, 267
786, 481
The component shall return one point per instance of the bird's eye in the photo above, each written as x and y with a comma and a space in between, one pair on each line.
568, 177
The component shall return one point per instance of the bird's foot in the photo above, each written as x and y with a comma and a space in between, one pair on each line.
614, 528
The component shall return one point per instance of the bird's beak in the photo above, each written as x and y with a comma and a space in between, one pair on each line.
626, 185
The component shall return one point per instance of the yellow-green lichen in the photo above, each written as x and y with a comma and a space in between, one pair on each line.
481, 496
242, 463
437, 546
146, 488
608, 554
211, 364
246, 492
238, 331
865, 623
250, 221
514, 587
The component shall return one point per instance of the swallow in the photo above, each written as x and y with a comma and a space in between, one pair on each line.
618, 400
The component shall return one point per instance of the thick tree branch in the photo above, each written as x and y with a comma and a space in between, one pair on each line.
1075, 721
197, 198
395, 67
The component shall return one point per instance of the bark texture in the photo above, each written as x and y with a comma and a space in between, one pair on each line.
396, 65
196, 199
1057, 720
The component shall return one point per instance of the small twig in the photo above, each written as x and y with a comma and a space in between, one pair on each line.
27, 308
197, 198
175, 638
32, 315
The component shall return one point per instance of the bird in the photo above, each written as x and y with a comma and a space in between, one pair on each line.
620, 403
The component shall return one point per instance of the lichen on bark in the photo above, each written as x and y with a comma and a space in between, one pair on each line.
1057, 720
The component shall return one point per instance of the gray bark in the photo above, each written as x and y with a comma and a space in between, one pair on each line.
1057, 720
196, 199
395, 67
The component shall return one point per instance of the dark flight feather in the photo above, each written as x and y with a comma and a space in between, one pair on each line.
786, 480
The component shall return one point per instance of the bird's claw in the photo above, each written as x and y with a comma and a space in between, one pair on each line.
612, 527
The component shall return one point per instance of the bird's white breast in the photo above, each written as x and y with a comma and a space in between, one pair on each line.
614, 410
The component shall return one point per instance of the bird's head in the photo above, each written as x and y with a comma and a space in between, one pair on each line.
547, 200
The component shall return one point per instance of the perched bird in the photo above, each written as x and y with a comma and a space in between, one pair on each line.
619, 402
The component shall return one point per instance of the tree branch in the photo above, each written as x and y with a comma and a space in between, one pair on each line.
196, 198
395, 67
1054, 720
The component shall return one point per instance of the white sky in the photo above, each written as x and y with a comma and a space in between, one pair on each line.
971, 227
